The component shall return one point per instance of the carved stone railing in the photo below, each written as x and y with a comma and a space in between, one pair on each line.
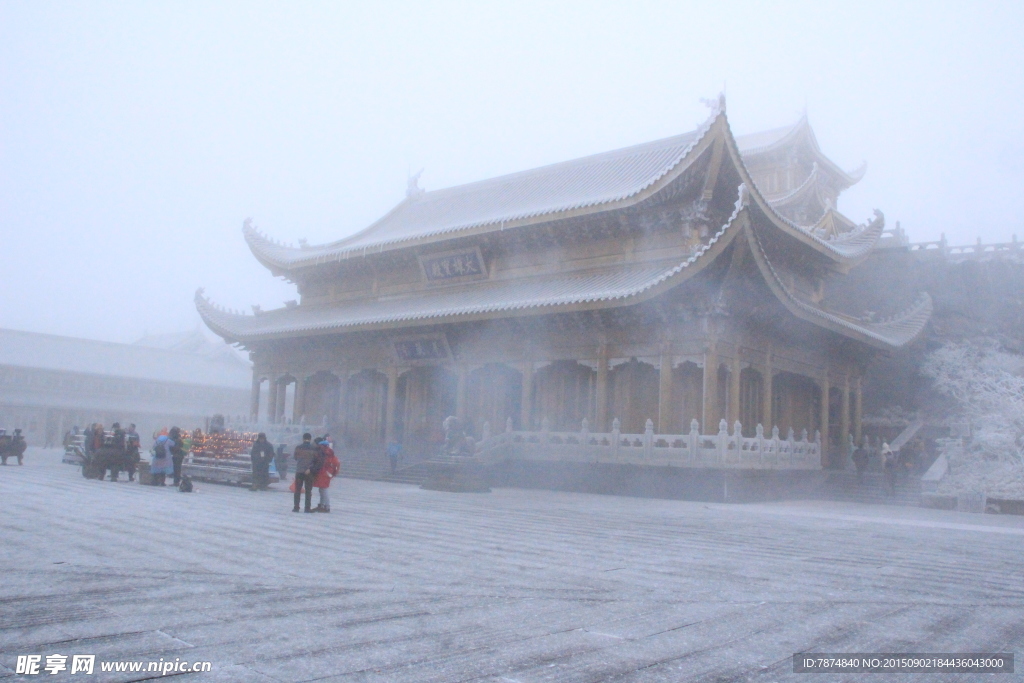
729, 450
942, 248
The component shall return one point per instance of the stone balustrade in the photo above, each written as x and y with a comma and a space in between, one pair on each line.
729, 450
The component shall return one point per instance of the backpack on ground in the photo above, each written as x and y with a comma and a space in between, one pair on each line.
186, 484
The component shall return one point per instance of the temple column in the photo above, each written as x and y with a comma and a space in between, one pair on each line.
254, 397
526, 403
299, 400
664, 393
858, 408
844, 422
341, 418
282, 401
272, 401
709, 417
389, 411
734, 389
460, 393
766, 395
826, 460
601, 391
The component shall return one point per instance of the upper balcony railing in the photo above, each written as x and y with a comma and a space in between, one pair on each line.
897, 239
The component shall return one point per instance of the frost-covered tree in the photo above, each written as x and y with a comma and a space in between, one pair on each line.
988, 383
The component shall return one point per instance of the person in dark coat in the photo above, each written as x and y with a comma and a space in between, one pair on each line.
177, 453
305, 455
262, 453
116, 452
132, 455
860, 461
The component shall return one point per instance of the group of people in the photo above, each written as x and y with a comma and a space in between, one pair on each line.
894, 463
12, 445
116, 450
315, 465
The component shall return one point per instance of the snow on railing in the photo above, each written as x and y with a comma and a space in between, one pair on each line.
721, 450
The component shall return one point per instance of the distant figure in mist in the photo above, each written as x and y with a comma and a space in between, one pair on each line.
454, 437
889, 465
261, 454
132, 455
183, 444
394, 452
281, 462
860, 461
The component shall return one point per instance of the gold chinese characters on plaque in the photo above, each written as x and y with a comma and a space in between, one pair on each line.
453, 266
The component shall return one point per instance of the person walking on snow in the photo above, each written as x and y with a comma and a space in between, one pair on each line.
305, 454
329, 469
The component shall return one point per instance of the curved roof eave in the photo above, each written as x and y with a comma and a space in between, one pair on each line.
242, 328
844, 251
786, 136
893, 333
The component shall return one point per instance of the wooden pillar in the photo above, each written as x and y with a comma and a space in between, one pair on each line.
858, 408
526, 403
299, 401
282, 401
665, 393
389, 411
709, 414
460, 393
254, 397
272, 401
340, 418
766, 395
826, 459
734, 390
844, 421
601, 391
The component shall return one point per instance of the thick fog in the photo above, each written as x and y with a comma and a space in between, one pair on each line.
136, 137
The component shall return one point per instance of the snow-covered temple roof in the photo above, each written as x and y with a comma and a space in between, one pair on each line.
593, 183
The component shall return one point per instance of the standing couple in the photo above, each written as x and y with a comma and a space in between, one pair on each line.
315, 465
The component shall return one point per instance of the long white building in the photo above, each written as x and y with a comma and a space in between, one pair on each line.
50, 383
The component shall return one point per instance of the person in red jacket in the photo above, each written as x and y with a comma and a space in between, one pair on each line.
328, 470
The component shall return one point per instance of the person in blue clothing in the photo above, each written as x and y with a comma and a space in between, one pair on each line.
163, 459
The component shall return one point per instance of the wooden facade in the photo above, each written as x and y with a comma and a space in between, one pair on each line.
657, 282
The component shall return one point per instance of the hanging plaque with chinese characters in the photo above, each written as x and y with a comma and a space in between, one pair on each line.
422, 349
465, 264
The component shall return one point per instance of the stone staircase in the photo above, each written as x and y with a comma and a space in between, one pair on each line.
843, 486
372, 464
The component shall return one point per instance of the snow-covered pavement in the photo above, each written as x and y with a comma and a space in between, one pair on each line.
402, 584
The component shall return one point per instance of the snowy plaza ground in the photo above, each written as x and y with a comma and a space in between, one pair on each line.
402, 584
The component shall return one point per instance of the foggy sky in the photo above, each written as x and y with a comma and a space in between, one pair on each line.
136, 137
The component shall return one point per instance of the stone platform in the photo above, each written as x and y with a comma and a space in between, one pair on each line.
404, 584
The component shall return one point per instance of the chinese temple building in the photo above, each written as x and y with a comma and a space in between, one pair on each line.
690, 278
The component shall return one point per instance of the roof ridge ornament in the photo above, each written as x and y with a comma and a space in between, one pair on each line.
716, 105
412, 185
